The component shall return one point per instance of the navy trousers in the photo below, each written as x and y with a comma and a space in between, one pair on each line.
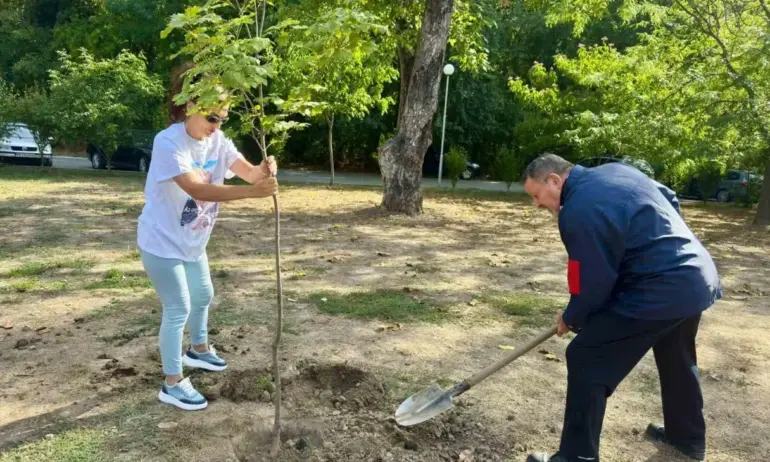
601, 356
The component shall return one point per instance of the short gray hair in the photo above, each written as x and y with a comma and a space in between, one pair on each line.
544, 165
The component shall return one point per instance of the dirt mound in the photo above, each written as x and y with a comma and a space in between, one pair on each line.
239, 386
345, 385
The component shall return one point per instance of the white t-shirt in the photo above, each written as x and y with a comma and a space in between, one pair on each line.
173, 224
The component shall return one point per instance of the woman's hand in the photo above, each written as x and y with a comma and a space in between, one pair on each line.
269, 167
267, 187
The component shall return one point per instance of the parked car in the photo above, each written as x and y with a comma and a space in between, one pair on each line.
734, 185
20, 145
640, 164
430, 165
134, 152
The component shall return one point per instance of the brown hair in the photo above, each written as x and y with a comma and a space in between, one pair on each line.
177, 113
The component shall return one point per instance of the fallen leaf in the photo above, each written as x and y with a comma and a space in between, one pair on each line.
506, 347
543, 351
473, 302
8, 325
324, 299
293, 300
167, 425
552, 357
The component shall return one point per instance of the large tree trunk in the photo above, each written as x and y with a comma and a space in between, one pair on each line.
405, 65
401, 158
763, 209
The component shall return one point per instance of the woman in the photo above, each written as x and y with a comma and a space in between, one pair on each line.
184, 186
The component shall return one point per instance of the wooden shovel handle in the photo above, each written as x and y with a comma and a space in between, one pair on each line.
507, 359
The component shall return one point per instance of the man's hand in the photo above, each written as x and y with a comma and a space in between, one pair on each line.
561, 328
269, 167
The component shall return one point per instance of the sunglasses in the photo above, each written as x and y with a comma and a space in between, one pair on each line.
215, 119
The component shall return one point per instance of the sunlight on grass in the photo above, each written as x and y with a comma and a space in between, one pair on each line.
387, 305
36, 268
529, 309
77, 445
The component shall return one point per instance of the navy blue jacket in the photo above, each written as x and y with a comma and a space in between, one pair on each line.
629, 249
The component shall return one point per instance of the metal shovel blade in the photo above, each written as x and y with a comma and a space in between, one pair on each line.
424, 405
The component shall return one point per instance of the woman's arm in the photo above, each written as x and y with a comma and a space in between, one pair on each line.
253, 173
208, 192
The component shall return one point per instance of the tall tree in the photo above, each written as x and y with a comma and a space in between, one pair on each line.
35, 109
696, 86
99, 100
401, 158
336, 61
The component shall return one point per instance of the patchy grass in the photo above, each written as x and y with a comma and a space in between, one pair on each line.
104, 312
76, 445
295, 274
229, 313
126, 336
132, 255
37, 268
531, 309
265, 383
138, 431
387, 305
116, 279
27, 285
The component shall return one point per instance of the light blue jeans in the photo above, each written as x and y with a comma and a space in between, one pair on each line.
185, 290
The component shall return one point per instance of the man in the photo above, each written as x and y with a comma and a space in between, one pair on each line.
638, 279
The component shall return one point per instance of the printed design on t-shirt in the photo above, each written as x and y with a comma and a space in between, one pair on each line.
200, 214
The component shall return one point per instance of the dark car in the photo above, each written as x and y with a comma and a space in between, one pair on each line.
431, 161
134, 152
734, 185
641, 165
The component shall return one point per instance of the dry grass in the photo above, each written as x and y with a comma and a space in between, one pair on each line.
408, 300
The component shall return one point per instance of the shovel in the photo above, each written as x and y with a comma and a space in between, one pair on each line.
433, 400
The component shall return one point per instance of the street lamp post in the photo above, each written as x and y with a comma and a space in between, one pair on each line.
448, 70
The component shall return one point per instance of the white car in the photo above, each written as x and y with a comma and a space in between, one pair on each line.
20, 144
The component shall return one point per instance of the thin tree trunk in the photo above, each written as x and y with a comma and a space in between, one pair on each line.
276, 447
330, 122
763, 208
401, 158
276, 347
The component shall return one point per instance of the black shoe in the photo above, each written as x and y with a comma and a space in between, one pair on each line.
543, 457
693, 451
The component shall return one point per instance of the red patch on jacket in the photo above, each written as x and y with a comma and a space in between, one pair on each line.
573, 277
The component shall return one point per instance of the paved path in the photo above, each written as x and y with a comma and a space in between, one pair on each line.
320, 177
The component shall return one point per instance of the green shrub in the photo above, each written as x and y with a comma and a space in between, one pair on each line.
709, 174
455, 162
509, 166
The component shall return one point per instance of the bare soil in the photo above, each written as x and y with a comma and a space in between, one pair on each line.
79, 322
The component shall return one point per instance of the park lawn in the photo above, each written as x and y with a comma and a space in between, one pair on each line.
377, 307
